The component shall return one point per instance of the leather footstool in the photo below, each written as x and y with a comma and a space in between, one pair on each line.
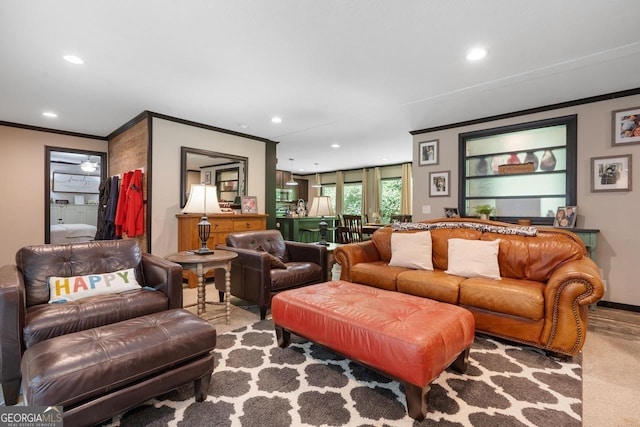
408, 338
101, 372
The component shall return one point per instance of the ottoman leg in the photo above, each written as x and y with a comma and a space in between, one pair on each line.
283, 336
201, 387
460, 364
416, 400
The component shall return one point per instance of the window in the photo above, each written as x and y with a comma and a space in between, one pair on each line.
329, 190
352, 202
522, 171
390, 194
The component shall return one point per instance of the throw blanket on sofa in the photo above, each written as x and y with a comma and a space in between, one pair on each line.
517, 230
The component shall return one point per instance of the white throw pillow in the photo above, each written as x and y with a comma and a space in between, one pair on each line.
63, 289
411, 250
474, 258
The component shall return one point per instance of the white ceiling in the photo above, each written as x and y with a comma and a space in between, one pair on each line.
360, 73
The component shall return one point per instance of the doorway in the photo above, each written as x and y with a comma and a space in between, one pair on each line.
72, 181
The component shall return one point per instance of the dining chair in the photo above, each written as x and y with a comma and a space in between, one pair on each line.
351, 229
400, 218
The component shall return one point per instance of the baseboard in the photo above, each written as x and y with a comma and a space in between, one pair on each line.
619, 306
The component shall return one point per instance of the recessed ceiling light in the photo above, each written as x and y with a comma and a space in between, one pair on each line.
243, 125
73, 59
335, 145
476, 54
50, 114
276, 119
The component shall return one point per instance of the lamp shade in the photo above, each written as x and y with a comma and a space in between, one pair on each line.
320, 206
197, 198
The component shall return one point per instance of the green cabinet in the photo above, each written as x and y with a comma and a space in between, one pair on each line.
304, 229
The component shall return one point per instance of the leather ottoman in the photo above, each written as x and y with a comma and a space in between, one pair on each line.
98, 373
408, 338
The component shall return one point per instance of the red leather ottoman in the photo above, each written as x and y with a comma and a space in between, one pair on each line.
408, 338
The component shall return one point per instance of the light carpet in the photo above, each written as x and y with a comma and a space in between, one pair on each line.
256, 383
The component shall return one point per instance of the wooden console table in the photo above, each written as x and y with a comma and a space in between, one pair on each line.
221, 226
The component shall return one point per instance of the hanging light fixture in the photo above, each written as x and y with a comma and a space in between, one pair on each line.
318, 184
291, 180
88, 165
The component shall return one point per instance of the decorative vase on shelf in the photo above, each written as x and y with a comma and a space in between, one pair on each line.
513, 159
531, 157
548, 161
483, 166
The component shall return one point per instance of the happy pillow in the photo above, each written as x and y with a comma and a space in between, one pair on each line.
411, 250
63, 289
474, 258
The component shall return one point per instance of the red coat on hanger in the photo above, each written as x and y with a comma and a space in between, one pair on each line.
134, 221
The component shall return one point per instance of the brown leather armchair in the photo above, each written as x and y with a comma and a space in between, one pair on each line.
27, 318
267, 264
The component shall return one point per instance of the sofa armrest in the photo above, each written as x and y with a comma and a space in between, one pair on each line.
577, 280
308, 252
353, 253
251, 271
164, 276
12, 319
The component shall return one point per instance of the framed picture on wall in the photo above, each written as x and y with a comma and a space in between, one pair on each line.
439, 183
626, 126
207, 178
611, 173
428, 152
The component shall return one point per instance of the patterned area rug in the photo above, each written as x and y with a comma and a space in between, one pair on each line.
256, 383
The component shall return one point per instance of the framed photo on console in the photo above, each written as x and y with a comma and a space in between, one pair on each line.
249, 204
566, 217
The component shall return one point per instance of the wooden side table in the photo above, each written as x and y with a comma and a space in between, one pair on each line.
331, 261
201, 265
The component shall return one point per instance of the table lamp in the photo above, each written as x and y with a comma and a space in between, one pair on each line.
321, 206
203, 198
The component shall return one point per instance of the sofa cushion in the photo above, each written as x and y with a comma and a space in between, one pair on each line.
534, 258
38, 263
440, 243
436, 285
46, 321
474, 258
74, 288
378, 274
411, 250
296, 274
522, 298
274, 261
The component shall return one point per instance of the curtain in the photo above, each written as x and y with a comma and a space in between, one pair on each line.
406, 207
364, 209
375, 207
339, 191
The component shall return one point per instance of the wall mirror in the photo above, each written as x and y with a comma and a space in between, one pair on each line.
226, 171
72, 181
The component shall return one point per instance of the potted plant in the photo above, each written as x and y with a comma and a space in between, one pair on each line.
484, 211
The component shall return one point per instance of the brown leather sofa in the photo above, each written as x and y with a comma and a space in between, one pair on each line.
27, 318
267, 264
547, 281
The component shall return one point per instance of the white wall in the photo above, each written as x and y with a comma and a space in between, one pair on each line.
168, 137
22, 168
612, 213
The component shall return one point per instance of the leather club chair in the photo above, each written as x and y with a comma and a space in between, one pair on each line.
267, 264
27, 318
